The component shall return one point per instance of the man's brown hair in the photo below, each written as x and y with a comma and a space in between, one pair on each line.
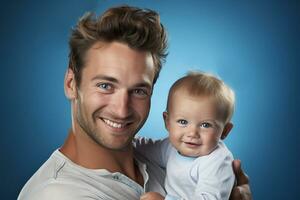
139, 28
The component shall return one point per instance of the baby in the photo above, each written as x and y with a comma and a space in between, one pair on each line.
198, 164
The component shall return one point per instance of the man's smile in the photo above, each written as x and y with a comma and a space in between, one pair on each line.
114, 124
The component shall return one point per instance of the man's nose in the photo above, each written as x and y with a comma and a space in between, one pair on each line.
121, 104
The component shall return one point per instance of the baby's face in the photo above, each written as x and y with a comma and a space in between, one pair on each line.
193, 125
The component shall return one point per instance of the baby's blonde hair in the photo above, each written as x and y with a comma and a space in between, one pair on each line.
197, 83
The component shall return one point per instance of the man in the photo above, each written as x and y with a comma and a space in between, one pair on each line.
114, 63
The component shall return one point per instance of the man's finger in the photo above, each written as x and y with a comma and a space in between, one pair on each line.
143, 197
235, 194
240, 175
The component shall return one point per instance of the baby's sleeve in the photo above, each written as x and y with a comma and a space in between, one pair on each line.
215, 178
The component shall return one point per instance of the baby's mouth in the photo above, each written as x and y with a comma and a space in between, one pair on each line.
192, 143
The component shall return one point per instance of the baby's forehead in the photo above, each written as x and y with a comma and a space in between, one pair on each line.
183, 101
185, 93
180, 98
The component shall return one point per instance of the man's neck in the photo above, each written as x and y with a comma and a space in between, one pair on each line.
86, 153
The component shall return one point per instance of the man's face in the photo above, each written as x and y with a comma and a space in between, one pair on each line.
193, 124
113, 99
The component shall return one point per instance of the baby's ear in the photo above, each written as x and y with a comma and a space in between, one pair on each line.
166, 119
226, 130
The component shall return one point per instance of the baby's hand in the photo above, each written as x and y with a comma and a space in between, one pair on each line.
152, 196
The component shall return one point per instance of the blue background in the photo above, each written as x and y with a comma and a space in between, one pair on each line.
253, 45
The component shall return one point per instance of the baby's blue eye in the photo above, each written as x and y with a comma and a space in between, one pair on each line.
182, 122
206, 125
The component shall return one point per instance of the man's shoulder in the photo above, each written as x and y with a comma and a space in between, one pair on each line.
52, 190
144, 141
53, 180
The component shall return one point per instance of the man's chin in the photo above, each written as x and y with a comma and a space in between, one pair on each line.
122, 147
118, 145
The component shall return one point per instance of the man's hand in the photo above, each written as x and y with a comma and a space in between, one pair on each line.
152, 196
242, 190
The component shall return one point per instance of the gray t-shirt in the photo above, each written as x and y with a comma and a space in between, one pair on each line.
61, 179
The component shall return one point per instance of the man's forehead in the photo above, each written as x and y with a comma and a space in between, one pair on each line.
120, 63
115, 49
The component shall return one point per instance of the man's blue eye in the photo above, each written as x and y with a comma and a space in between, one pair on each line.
105, 87
182, 122
140, 92
206, 125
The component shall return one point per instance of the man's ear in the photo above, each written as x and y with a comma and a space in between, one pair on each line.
70, 84
166, 119
226, 130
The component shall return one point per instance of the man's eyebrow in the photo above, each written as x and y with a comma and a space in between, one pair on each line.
114, 80
144, 84
103, 77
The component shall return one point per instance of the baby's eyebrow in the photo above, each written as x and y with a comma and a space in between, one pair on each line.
217, 122
212, 121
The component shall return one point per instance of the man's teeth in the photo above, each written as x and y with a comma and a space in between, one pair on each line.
113, 124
